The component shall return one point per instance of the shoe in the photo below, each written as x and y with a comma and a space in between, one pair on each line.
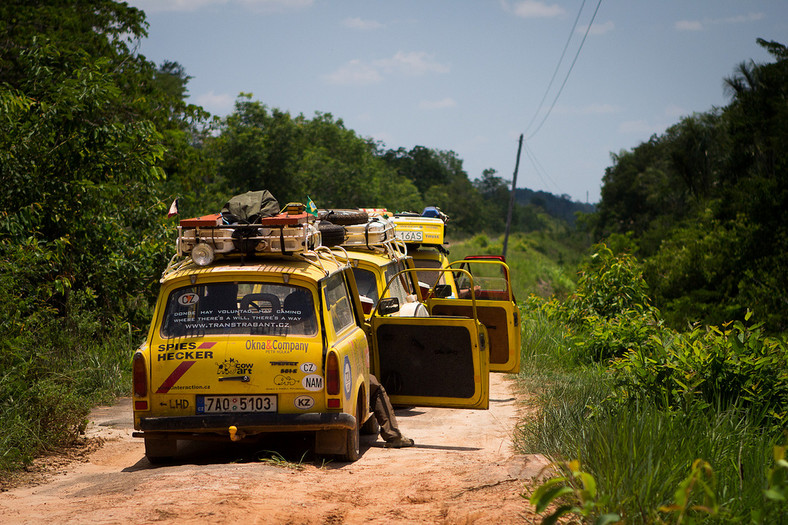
400, 442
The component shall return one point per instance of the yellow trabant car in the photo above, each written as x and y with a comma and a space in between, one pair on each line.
407, 353
495, 302
408, 345
265, 332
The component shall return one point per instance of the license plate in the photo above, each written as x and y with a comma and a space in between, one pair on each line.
232, 404
410, 236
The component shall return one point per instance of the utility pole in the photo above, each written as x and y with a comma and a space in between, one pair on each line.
511, 199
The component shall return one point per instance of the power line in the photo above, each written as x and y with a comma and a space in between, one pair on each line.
557, 67
590, 23
539, 169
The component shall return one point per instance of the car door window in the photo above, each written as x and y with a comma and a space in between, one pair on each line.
366, 284
402, 286
338, 302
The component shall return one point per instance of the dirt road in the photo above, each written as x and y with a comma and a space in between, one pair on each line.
462, 470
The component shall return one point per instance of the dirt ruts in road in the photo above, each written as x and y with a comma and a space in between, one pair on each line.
462, 470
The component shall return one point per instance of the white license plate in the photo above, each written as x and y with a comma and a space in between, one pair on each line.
410, 236
232, 404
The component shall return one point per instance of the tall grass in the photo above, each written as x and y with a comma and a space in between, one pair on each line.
539, 263
46, 393
640, 454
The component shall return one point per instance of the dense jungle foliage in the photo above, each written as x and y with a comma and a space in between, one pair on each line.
704, 204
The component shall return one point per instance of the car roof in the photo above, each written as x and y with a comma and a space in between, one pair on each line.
376, 258
302, 267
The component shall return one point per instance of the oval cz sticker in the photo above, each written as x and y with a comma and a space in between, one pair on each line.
188, 298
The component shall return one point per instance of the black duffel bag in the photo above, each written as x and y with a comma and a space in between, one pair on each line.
250, 207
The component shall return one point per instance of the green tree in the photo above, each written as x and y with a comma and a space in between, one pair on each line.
262, 148
705, 203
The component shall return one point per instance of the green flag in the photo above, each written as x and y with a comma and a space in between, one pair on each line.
310, 207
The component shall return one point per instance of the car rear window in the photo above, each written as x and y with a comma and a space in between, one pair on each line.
239, 308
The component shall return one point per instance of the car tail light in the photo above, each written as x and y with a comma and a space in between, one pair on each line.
139, 375
332, 374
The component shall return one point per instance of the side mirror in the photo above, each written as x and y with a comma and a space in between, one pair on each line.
388, 306
442, 291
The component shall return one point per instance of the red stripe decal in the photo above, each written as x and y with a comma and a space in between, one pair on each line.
174, 377
207, 345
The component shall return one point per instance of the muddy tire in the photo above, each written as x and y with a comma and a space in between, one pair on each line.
345, 217
331, 234
160, 450
353, 450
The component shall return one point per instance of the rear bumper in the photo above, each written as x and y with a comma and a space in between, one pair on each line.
249, 423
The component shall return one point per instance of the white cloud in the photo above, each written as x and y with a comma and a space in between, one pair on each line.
700, 25
152, 6
360, 73
534, 9
741, 19
361, 24
688, 25
218, 104
600, 29
447, 102
354, 73
414, 63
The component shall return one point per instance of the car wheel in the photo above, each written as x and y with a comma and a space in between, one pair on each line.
370, 427
345, 217
353, 450
331, 234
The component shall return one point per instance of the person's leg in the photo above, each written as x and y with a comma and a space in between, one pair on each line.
384, 412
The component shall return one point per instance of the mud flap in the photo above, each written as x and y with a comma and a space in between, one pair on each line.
331, 442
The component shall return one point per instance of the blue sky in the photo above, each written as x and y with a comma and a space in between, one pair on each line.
471, 76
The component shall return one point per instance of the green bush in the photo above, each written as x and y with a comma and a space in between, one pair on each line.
610, 312
713, 367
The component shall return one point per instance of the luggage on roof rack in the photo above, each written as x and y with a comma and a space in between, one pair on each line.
375, 232
280, 234
417, 229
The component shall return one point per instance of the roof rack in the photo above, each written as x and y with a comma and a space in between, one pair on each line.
283, 234
377, 234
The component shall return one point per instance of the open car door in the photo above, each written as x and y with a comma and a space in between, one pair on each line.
486, 278
435, 361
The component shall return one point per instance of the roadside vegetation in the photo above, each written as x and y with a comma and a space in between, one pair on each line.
646, 424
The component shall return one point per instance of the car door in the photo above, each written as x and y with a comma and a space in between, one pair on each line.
495, 306
437, 361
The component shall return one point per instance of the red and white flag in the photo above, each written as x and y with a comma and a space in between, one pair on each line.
173, 209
